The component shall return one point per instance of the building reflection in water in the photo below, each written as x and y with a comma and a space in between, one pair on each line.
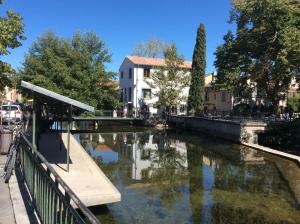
166, 177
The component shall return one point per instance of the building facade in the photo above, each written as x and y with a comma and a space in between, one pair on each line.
135, 93
216, 100
11, 95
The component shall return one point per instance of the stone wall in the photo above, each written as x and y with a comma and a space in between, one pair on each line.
238, 131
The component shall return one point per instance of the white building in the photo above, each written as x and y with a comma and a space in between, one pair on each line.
136, 94
145, 159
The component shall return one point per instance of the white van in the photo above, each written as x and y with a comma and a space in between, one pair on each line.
11, 112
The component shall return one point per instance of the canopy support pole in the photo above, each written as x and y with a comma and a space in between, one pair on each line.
34, 123
69, 132
60, 130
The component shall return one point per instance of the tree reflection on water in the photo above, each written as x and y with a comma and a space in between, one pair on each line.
167, 171
170, 178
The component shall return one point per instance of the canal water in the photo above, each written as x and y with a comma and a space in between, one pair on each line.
168, 177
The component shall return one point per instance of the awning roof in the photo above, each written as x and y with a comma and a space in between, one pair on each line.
55, 100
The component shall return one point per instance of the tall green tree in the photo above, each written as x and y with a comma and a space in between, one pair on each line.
264, 53
197, 91
75, 68
11, 35
170, 79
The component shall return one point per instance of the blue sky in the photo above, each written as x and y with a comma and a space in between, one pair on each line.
123, 23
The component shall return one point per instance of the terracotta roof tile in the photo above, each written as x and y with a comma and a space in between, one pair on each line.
102, 148
154, 61
111, 83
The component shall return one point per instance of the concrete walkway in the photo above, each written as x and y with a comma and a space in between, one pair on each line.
21, 201
6, 209
85, 177
273, 151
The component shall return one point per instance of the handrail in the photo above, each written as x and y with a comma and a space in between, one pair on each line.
88, 214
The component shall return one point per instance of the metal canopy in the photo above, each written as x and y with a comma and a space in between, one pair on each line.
58, 105
55, 98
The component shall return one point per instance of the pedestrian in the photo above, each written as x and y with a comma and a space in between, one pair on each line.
291, 113
27, 116
286, 113
215, 111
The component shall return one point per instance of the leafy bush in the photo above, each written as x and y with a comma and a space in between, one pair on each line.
294, 102
87, 114
242, 109
283, 136
98, 113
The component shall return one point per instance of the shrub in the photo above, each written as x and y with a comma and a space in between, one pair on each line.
242, 109
283, 136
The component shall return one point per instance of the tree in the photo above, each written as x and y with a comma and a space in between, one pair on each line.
197, 91
169, 80
265, 50
75, 68
11, 35
152, 48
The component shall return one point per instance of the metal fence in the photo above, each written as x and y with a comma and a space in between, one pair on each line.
114, 113
51, 196
226, 115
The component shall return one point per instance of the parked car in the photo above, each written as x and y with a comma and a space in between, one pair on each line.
11, 113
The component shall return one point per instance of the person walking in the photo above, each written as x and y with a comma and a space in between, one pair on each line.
291, 113
286, 113
27, 116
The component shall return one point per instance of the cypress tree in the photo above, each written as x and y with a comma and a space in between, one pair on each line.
197, 91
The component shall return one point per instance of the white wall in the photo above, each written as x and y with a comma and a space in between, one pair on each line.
125, 82
138, 83
140, 164
142, 84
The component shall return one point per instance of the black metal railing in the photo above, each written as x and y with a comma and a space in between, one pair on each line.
51, 196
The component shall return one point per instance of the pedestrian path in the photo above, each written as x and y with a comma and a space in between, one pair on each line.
6, 209
85, 177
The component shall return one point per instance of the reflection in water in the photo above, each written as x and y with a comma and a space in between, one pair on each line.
170, 178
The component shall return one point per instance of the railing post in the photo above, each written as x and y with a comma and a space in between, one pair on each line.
47, 198
69, 129
33, 127
68, 200
33, 179
52, 204
55, 218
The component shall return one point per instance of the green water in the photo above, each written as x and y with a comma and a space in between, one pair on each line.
169, 177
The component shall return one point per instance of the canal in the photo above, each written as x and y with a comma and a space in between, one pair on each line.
169, 177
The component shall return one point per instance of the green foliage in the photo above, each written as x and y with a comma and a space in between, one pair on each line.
242, 109
11, 35
294, 102
74, 68
283, 136
170, 79
197, 91
265, 49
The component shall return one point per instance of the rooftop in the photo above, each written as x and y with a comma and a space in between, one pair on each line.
111, 84
102, 148
154, 61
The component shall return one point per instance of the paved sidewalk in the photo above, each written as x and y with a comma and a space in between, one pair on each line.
6, 209
85, 177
